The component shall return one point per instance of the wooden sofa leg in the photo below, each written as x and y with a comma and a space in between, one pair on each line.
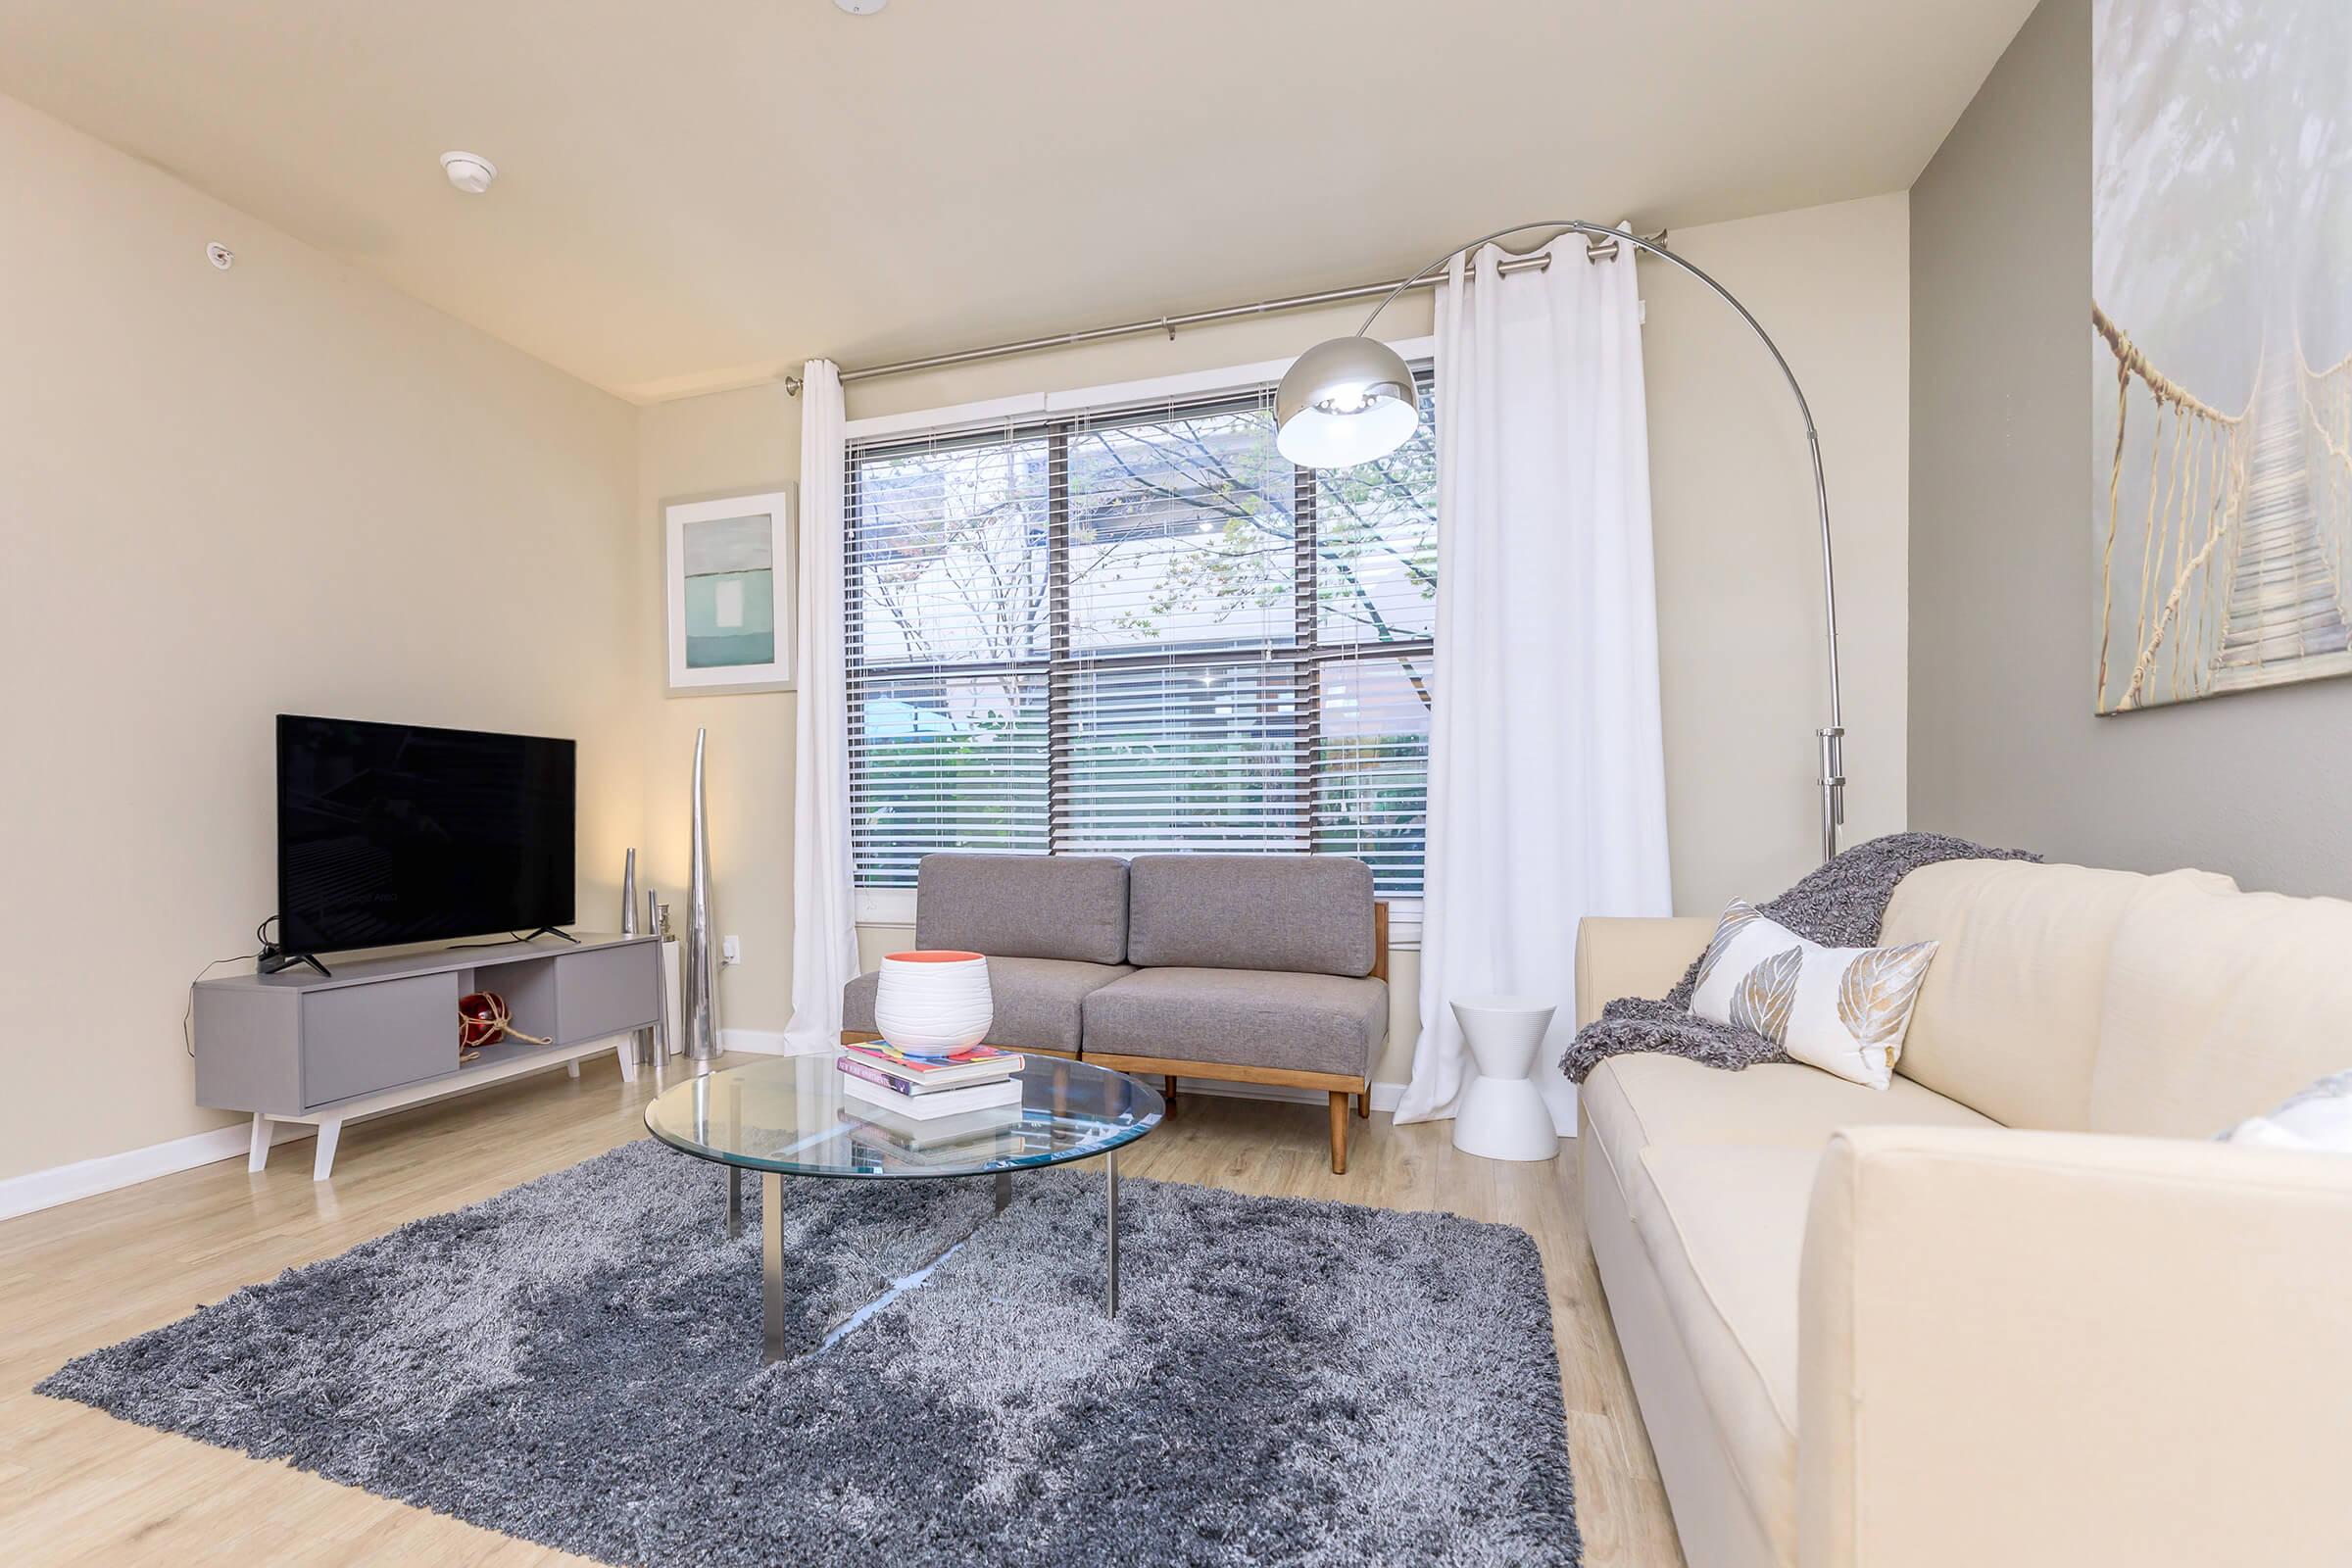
1339, 1132
1363, 1103
1168, 1094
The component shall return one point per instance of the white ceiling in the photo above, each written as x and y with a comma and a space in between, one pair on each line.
695, 194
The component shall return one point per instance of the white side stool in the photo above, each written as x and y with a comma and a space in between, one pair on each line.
1503, 1115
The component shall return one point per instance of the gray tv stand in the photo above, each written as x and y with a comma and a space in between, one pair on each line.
382, 1033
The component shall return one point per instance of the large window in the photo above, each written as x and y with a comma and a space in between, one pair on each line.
1138, 630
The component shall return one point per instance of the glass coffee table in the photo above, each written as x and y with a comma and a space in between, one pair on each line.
791, 1116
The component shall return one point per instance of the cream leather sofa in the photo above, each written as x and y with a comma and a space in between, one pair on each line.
2018, 1308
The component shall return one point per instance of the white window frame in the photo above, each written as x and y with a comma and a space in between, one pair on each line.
894, 908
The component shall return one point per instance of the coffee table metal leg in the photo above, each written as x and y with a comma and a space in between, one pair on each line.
1004, 1189
771, 1268
1110, 1230
734, 1202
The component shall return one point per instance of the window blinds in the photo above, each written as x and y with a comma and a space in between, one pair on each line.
1136, 630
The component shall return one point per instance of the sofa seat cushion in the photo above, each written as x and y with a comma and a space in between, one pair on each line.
1037, 1001
1316, 1023
1635, 1102
1726, 1239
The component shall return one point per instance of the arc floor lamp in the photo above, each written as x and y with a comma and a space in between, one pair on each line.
1352, 400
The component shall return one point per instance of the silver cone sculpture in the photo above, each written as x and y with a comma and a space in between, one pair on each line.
699, 980
642, 1045
653, 928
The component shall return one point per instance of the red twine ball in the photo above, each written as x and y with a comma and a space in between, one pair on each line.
483, 1020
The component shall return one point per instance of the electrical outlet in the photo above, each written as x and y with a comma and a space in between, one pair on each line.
730, 950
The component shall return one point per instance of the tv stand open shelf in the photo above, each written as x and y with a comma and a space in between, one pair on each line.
382, 1033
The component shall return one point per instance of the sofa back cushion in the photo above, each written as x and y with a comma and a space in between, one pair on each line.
1311, 914
1024, 906
2220, 1004
2008, 1020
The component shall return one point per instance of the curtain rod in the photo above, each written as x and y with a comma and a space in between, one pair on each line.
1596, 249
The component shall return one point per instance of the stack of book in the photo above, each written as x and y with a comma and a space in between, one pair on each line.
928, 1088
887, 1138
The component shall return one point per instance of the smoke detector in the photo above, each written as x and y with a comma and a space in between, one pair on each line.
471, 172
862, 8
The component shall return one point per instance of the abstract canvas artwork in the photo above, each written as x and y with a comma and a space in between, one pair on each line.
2220, 346
730, 593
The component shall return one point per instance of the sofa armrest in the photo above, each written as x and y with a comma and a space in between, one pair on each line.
1633, 958
2059, 1348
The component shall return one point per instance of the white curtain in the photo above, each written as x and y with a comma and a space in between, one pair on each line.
1547, 773
824, 922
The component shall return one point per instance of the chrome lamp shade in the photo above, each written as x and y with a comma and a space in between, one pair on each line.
1346, 402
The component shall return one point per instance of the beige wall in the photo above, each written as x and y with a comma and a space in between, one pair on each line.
1741, 667
1738, 561
727, 443
2004, 748
225, 495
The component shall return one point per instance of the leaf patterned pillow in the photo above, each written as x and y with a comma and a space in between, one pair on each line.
1842, 1009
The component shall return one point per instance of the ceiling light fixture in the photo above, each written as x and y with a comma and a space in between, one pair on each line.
862, 8
471, 172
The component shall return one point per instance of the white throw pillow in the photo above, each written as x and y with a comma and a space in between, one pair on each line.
2319, 1118
1842, 1009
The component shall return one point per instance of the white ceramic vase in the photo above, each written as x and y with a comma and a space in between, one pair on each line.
936, 1002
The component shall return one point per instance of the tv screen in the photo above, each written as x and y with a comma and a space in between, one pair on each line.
390, 833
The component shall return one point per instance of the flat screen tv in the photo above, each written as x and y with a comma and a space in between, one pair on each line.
392, 833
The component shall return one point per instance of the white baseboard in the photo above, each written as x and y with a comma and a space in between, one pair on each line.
770, 1042
85, 1178
63, 1184
1384, 1095
755, 1042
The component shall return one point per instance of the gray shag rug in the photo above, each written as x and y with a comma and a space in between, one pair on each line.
1839, 904
576, 1361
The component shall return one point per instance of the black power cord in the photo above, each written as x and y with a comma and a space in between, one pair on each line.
512, 938
187, 1018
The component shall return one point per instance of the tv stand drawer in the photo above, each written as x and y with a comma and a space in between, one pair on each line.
605, 990
359, 1039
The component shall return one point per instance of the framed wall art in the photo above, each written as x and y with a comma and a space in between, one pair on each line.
732, 593
2221, 347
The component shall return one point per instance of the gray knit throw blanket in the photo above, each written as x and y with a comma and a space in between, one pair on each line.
1839, 904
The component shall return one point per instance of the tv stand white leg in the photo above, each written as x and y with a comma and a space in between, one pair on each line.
626, 1056
257, 1154
571, 1068
322, 1165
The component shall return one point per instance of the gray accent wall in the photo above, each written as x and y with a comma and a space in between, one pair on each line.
2003, 747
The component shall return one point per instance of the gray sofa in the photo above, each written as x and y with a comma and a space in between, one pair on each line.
1246, 968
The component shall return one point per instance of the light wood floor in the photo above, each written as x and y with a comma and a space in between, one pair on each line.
76, 1486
